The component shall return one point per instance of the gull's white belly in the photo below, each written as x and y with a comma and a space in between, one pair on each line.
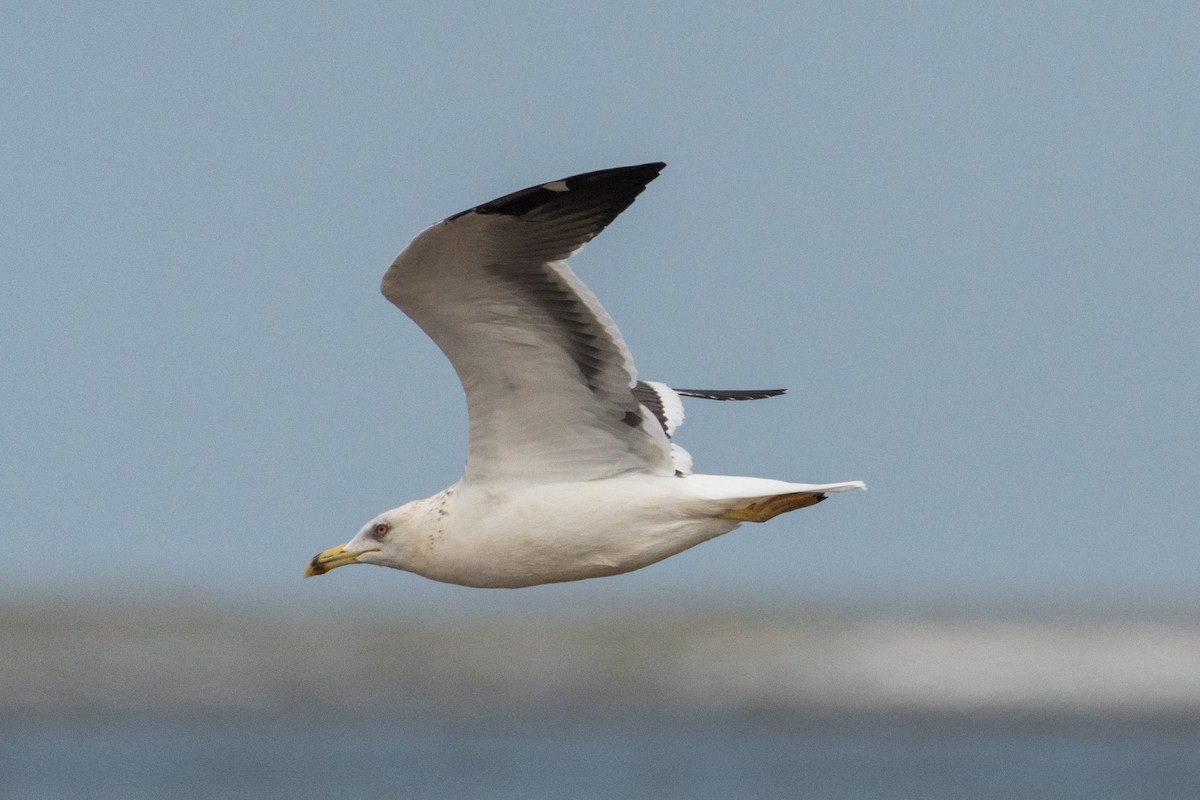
566, 531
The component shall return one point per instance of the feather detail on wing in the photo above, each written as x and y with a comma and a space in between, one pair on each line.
666, 404
548, 377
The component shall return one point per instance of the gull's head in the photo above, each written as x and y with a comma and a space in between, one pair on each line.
381, 541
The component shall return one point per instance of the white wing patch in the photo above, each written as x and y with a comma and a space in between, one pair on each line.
681, 459
663, 401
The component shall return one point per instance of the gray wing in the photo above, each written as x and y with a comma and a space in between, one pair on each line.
548, 379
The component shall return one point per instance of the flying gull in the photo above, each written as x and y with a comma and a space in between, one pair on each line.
571, 472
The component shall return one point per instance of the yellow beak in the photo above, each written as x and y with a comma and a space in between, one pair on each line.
333, 558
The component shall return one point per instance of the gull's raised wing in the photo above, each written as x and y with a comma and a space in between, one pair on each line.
547, 375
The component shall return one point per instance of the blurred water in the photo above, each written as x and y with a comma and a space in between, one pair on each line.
103, 701
560, 753
108, 659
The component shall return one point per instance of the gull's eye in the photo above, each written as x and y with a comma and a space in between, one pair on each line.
381, 530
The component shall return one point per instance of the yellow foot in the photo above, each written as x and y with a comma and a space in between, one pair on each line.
764, 510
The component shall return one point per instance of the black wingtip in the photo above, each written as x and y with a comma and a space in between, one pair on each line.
731, 394
638, 173
621, 181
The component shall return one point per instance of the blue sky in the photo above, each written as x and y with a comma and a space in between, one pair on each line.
965, 237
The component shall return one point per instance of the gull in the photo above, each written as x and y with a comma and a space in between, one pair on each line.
571, 472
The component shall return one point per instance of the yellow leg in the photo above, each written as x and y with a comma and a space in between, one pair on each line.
764, 510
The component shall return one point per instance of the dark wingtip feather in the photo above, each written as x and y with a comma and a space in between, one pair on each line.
637, 174
624, 183
730, 394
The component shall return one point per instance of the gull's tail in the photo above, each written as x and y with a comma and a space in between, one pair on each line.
760, 499
762, 509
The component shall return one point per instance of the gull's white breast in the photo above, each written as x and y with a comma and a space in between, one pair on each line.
547, 533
